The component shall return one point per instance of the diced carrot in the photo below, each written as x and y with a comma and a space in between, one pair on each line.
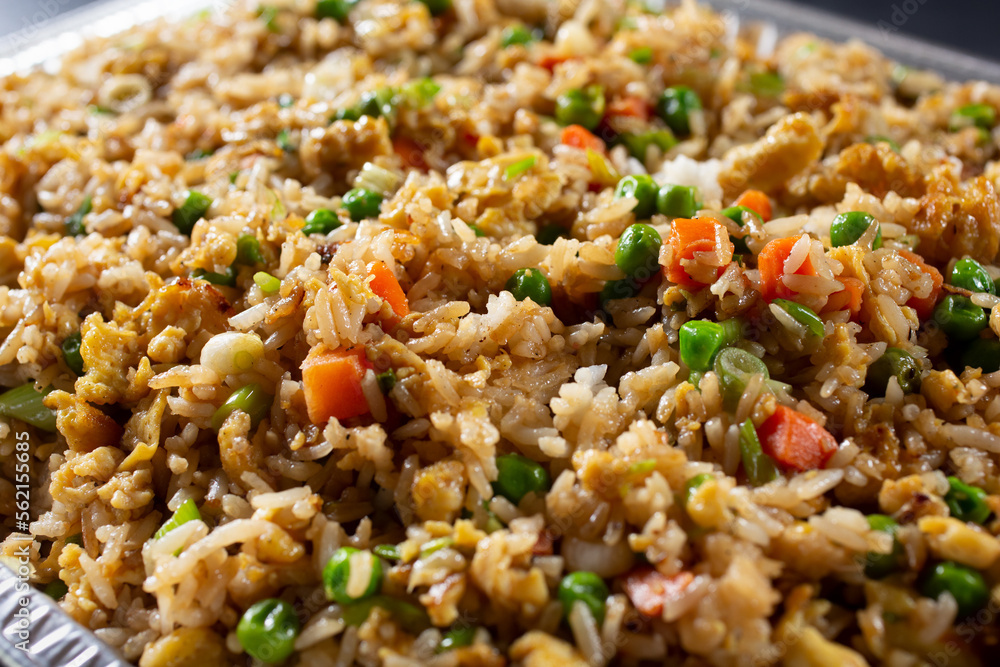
331, 380
689, 236
580, 137
629, 107
550, 61
848, 298
384, 284
796, 441
771, 265
410, 152
756, 201
924, 306
649, 590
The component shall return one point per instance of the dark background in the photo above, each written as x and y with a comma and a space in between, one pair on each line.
967, 25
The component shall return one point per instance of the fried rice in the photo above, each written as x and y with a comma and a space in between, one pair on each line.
238, 388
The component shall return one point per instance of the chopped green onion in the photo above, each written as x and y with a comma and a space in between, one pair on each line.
477, 230
74, 223
268, 14
766, 84
411, 618
692, 485
285, 141
601, 168
804, 315
973, 115
248, 250
878, 565
199, 154
436, 545
267, 283
195, 206
437, 7
251, 399
387, 551
758, 466
643, 55
188, 511
514, 170
71, 352
735, 367
419, 93
879, 139
227, 279
25, 403
75, 538
386, 381
515, 34
334, 9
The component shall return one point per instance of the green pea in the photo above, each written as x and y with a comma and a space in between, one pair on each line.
71, 352
74, 223
227, 279
548, 234
734, 367
959, 318
643, 188
967, 502
692, 484
737, 214
194, 208
677, 201
894, 362
515, 34
248, 250
641, 56
457, 637
530, 284
758, 466
970, 274
386, 381
700, 341
879, 565
966, 585
626, 288
518, 475
581, 107
983, 353
268, 629
335, 9
337, 574
848, 227
638, 143
251, 399
321, 221
804, 315
586, 587
56, 589
362, 203
412, 618
437, 7
978, 115
675, 107
638, 251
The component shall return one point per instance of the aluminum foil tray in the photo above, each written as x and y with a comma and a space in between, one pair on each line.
56, 640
